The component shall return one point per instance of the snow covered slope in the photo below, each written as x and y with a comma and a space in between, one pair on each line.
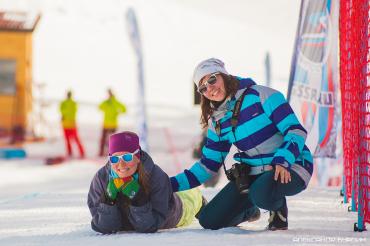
48, 207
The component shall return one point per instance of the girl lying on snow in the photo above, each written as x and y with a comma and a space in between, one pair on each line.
131, 193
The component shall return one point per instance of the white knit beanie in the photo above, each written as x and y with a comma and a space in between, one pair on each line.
209, 66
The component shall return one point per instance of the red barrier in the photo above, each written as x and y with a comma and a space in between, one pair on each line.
355, 89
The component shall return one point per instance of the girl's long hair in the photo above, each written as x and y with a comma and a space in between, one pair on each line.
143, 177
231, 86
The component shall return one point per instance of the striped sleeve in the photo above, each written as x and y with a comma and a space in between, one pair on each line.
213, 153
282, 115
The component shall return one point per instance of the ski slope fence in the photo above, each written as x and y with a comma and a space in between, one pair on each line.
355, 93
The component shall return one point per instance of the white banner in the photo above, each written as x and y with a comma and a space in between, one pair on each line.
133, 30
314, 80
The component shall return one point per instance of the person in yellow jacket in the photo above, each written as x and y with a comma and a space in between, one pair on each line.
68, 110
111, 108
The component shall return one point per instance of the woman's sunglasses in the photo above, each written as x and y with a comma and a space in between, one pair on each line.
210, 81
114, 159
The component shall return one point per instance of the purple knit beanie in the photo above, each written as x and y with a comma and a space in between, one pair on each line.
124, 141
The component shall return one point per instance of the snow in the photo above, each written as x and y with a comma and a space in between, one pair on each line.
82, 44
46, 205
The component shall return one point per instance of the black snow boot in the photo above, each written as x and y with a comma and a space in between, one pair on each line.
279, 219
204, 203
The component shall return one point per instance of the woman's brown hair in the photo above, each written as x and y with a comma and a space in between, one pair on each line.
231, 86
143, 177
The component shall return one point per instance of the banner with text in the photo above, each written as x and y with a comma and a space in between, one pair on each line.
314, 81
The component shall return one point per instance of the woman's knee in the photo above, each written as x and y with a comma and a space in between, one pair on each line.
206, 220
207, 224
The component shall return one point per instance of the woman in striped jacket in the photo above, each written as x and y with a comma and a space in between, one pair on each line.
272, 160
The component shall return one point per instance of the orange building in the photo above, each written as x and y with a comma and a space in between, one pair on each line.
16, 30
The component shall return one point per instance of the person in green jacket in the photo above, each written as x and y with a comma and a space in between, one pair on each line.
68, 110
111, 108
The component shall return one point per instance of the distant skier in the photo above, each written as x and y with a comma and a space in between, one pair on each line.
272, 160
131, 193
68, 110
111, 108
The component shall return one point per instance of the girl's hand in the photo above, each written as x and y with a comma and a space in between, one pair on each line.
283, 173
131, 188
111, 192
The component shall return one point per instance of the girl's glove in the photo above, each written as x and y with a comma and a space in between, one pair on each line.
130, 188
140, 198
111, 192
113, 188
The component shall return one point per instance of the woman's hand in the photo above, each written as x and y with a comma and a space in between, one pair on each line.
111, 192
283, 173
131, 188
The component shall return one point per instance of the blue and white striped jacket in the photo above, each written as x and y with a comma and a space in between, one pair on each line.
268, 132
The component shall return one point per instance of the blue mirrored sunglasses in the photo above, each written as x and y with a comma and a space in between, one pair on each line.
127, 157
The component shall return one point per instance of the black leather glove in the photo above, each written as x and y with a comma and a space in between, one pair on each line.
140, 198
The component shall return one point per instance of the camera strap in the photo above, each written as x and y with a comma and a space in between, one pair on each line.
235, 117
234, 122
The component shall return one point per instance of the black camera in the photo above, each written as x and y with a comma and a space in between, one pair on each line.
240, 174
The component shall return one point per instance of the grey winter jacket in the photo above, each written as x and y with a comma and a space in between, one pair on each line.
163, 210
